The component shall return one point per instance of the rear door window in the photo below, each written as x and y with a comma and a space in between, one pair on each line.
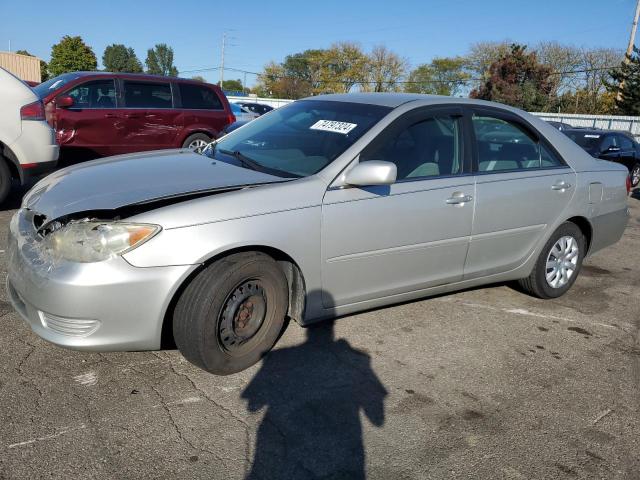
198, 97
94, 94
503, 145
147, 94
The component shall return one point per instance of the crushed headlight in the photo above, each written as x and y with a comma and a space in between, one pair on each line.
93, 241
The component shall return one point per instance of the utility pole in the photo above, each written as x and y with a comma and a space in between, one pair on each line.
632, 39
634, 27
224, 41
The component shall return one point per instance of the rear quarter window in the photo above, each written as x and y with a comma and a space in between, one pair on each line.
198, 97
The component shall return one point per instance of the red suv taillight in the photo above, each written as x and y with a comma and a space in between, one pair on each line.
628, 184
33, 111
231, 118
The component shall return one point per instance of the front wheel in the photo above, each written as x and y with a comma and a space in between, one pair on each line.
635, 175
558, 264
231, 313
197, 142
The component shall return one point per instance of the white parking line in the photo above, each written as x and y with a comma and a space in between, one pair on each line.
47, 437
90, 378
179, 402
524, 312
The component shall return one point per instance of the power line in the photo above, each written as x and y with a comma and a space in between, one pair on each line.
401, 82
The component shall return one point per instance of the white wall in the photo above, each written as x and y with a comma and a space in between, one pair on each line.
607, 122
274, 102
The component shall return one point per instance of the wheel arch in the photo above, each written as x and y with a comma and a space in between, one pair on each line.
12, 162
208, 132
290, 268
585, 227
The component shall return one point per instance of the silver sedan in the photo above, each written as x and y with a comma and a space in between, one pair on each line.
324, 207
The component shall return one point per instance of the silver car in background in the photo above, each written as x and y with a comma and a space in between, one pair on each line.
325, 207
242, 114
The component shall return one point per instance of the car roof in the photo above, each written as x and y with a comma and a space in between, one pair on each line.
598, 131
386, 99
588, 131
138, 75
394, 100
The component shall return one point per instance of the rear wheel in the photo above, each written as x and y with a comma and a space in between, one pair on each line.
197, 142
559, 263
5, 180
232, 312
635, 175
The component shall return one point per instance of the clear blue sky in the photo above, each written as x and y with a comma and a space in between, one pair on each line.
270, 29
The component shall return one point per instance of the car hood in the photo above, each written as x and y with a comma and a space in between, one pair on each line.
124, 180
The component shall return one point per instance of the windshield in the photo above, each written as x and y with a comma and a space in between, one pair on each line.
588, 141
299, 139
45, 88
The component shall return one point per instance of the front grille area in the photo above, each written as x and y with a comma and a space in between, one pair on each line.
72, 327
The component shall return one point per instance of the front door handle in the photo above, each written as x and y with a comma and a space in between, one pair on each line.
133, 115
111, 115
459, 198
562, 186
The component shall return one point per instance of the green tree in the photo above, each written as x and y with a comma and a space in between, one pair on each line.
160, 61
626, 85
199, 78
342, 67
517, 79
118, 58
232, 85
44, 73
384, 70
71, 54
443, 76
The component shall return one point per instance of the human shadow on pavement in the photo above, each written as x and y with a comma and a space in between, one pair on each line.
313, 394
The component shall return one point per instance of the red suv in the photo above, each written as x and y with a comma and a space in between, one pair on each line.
102, 113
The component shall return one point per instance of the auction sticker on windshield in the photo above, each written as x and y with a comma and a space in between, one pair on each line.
333, 126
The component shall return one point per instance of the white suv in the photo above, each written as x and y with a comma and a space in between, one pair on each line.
28, 145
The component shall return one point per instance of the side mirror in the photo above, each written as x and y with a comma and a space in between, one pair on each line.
64, 101
373, 172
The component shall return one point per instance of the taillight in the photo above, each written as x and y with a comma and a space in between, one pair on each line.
628, 184
231, 118
33, 111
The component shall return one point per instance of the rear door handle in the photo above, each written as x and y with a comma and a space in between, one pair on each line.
459, 198
562, 186
111, 115
132, 115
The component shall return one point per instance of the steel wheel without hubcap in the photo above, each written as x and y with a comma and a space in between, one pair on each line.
562, 261
197, 145
242, 316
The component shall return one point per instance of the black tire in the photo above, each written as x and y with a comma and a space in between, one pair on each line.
208, 317
634, 174
536, 284
5, 180
196, 138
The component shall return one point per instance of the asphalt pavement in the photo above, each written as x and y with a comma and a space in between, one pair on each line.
486, 383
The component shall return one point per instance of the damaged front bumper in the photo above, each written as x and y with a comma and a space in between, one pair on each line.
101, 306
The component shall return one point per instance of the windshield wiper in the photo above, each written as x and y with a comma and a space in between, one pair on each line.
253, 165
243, 159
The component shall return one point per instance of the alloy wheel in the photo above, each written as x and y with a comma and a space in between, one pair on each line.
562, 262
197, 145
635, 176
